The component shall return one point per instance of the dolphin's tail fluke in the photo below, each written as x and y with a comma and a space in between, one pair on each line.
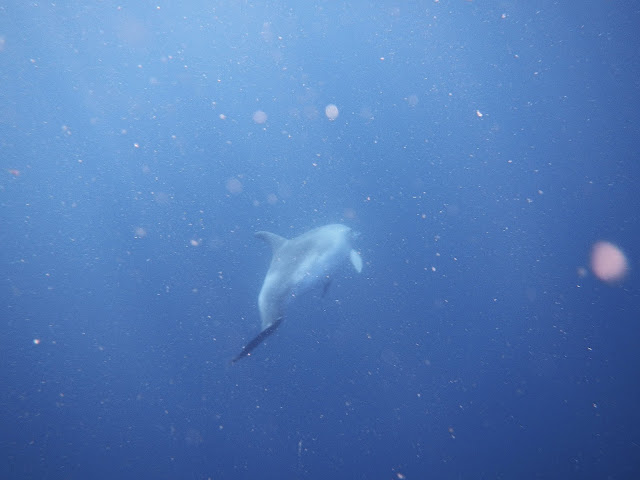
249, 347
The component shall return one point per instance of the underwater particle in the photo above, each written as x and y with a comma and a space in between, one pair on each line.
259, 117
272, 199
412, 100
349, 213
15, 172
36, 341
161, 198
193, 437
234, 186
608, 262
331, 111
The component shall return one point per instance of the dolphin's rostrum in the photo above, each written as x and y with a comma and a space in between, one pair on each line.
296, 266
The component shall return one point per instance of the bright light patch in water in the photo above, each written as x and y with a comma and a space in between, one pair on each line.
331, 111
259, 116
608, 262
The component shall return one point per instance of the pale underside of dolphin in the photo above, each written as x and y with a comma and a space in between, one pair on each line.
298, 265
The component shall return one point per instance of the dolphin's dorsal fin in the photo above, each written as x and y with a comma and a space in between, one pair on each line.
356, 260
276, 241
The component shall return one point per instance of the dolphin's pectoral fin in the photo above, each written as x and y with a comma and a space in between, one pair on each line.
249, 347
275, 241
356, 260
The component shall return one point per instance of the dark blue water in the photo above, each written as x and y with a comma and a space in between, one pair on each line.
481, 149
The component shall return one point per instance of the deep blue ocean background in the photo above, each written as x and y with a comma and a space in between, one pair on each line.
481, 149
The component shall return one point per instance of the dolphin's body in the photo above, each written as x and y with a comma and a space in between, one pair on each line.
298, 265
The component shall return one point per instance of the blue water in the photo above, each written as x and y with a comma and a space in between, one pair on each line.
481, 149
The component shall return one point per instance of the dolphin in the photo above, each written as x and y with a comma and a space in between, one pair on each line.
298, 265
